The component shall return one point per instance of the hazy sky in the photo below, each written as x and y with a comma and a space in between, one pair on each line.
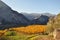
34, 6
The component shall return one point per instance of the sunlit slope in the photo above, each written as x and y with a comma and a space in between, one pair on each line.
31, 29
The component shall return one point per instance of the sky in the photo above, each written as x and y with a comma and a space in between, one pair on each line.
35, 6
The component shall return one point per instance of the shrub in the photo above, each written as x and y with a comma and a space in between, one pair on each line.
31, 29
10, 33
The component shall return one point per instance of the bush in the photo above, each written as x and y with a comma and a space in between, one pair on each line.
11, 33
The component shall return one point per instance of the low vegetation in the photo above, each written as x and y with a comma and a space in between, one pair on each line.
32, 29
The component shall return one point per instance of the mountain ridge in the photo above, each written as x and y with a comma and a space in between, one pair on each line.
10, 18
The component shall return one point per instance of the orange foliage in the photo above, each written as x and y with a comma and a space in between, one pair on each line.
2, 32
31, 29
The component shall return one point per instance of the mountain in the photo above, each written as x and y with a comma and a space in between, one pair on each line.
42, 20
33, 16
48, 14
39, 18
36, 15
10, 18
28, 16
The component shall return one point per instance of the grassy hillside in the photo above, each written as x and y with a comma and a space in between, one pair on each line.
31, 32
13, 35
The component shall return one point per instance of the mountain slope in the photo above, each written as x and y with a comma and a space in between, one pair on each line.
28, 16
42, 20
9, 17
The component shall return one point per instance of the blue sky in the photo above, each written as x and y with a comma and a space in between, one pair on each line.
35, 6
